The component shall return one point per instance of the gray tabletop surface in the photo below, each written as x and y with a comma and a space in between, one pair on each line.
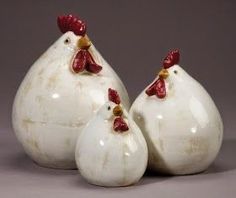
20, 177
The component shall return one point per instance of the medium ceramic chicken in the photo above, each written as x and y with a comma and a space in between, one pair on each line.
179, 120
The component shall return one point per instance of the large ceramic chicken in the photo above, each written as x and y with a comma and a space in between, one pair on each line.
59, 95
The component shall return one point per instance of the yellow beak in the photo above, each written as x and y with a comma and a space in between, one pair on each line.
84, 42
163, 73
117, 111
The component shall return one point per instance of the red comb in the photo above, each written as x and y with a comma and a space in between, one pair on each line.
113, 96
171, 59
71, 23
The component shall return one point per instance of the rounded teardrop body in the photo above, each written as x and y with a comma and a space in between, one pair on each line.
109, 158
53, 104
184, 130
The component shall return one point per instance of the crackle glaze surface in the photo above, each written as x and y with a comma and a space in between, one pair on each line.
184, 130
108, 158
53, 104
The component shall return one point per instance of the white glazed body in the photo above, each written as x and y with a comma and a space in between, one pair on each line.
108, 158
53, 104
184, 130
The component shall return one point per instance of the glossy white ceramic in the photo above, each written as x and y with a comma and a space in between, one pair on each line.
184, 130
108, 158
53, 104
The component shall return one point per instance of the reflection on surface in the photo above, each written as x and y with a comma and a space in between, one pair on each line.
199, 112
55, 95
194, 129
127, 154
101, 143
159, 116
98, 95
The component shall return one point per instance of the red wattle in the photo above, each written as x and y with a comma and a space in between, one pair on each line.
91, 66
83, 60
157, 88
120, 125
79, 62
150, 91
160, 88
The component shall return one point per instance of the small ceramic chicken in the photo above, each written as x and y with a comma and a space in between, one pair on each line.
179, 120
60, 94
111, 150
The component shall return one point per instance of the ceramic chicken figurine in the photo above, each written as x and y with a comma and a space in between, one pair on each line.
60, 94
179, 120
111, 150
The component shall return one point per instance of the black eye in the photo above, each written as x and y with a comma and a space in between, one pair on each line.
175, 71
67, 41
108, 108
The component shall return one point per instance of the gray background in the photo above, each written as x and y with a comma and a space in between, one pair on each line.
133, 36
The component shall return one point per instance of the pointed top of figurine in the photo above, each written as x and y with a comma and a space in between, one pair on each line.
171, 59
71, 23
113, 96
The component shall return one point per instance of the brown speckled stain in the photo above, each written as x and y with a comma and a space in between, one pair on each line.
26, 122
197, 145
159, 125
161, 143
41, 71
105, 160
27, 88
33, 144
79, 85
39, 99
171, 90
52, 80
67, 142
95, 107
125, 150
